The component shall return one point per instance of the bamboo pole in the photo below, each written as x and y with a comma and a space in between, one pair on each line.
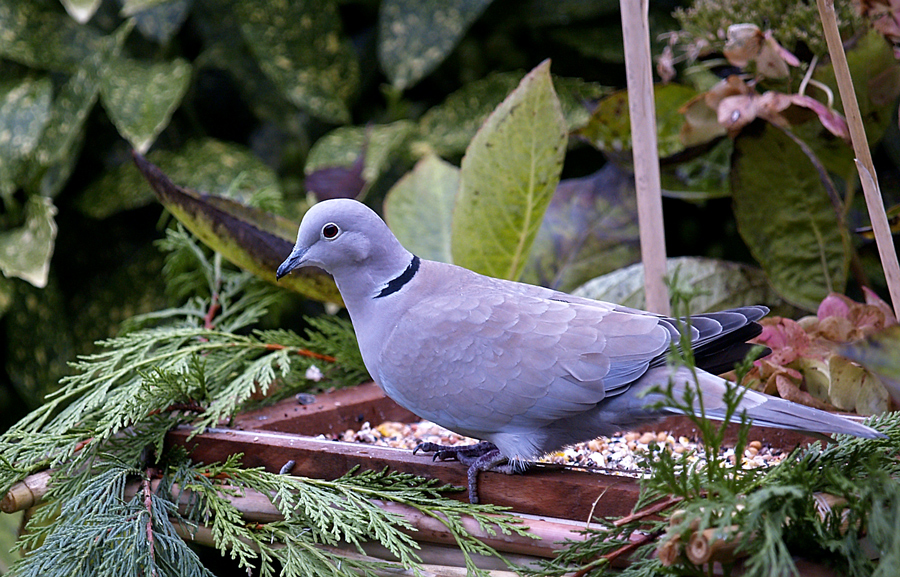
437, 562
864, 164
641, 106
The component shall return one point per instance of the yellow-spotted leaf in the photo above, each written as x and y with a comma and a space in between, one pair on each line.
25, 251
140, 98
300, 47
414, 36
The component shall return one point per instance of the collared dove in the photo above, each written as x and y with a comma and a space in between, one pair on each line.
524, 368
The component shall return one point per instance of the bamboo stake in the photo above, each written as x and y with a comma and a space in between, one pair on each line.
864, 164
641, 106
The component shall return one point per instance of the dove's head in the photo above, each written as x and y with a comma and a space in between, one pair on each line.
347, 239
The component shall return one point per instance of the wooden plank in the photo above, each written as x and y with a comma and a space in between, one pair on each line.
332, 412
543, 491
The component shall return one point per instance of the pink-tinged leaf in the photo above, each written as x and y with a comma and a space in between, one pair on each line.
830, 118
783, 52
834, 305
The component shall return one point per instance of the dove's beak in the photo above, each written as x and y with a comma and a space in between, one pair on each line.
291, 262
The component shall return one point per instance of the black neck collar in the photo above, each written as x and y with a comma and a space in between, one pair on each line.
397, 283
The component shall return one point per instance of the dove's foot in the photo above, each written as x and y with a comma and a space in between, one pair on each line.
483, 456
465, 454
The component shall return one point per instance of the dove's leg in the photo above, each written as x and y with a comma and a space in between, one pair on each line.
483, 456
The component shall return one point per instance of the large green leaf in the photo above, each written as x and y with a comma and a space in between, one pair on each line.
784, 214
508, 176
255, 240
25, 252
718, 284
610, 126
419, 208
213, 166
24, 112
414, 36
42, 38
299, 45
590, 228
140, 98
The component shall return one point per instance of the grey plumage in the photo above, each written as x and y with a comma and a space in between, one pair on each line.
527, 368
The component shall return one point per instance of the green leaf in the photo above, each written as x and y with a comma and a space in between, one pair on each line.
450, 126
25, 252
44, 39
610, 126
140, 97
70, 109
81, 10
419, 208
60, 143
342, 146
299, 45
878, 354
704, 177
577, 99
24, 112
255, 240
589, 229
508, 176
876, 80
784, 215
718, 284
415, 36
209, 165
852, 388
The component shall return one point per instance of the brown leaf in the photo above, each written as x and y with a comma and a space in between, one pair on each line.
744, 41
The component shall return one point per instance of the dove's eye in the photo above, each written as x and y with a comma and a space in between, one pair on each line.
330, 230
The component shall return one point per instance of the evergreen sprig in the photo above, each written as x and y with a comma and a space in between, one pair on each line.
98, 532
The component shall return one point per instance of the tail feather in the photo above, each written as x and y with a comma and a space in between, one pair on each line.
767, 411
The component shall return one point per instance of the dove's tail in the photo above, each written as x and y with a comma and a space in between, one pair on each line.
764, 410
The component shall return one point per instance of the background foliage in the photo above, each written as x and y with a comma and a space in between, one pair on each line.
413, 107
279, 104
